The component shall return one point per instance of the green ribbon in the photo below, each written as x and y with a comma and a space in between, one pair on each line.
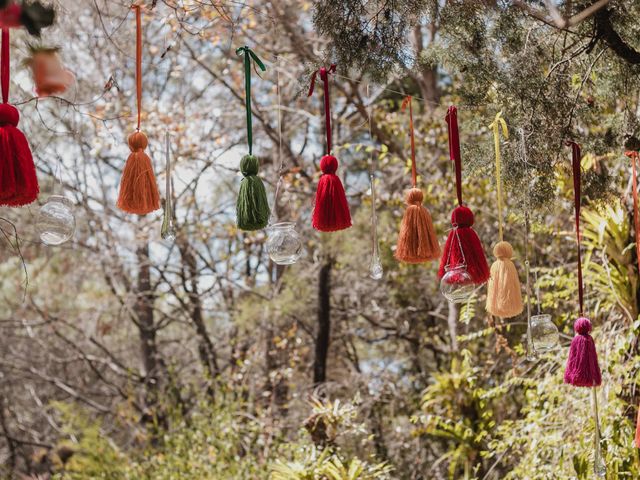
248, 55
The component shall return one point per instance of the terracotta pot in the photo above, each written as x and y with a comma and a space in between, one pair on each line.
49, 75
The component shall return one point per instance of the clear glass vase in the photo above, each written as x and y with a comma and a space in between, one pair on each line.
56, 223
457, 285
544, 333
283, 243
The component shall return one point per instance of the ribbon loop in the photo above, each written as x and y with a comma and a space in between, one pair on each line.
576, 156
324, 76
498, 124
414, 174
248, 56
454, 147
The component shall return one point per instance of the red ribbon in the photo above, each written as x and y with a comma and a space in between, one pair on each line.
454, 147
576, 156
4, 65
324, 76
636, 222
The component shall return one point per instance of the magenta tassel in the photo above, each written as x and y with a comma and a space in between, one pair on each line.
582, 365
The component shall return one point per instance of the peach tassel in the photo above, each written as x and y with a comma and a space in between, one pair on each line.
504, 297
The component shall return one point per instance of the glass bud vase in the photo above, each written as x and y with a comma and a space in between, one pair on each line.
457, 285
56, 223
544, 333
283, 243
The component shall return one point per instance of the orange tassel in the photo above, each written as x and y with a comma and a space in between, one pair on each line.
138, 188
417, 241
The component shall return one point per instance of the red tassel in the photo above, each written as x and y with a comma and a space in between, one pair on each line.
331, 211
463, 247
582, 365
18, 181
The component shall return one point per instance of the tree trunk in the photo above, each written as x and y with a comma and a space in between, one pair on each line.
144, 318
206, 349
324, 323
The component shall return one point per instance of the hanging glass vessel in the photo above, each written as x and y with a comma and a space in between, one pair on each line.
544, 333
56, 223
168, 230
457, 285
283, 243
375, 266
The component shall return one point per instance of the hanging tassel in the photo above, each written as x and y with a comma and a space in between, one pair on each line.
582, 369
331, 209
463, 247
18, 181
417, 240
504, 297
252, 207
138, 189
633, 156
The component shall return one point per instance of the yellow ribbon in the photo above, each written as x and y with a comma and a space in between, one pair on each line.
498, 123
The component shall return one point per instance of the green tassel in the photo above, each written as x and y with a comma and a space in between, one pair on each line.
252, 209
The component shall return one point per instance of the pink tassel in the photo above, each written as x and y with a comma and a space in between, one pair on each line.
582, 365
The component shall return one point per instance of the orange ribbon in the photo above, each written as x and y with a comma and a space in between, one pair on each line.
136, 8
414, 174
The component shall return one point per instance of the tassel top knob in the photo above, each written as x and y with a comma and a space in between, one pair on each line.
249, 165
414, 197
9, 115
462, 217
329, 164
582, 326
503, 250
138, 141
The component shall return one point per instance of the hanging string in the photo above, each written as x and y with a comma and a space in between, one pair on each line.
634, 191
414, 174
497, 124
454, 148
248, 56
280, 157
324, 76
575, 163
136, 8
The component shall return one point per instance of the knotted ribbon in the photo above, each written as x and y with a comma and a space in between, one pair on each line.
324, 76
497, 125
576, 156
248, 56
634, 178
414, 174
454, 148
5, 65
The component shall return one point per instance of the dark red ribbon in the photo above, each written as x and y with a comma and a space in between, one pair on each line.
4, 65
324, 76
454, 147
636, 221
576, 156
